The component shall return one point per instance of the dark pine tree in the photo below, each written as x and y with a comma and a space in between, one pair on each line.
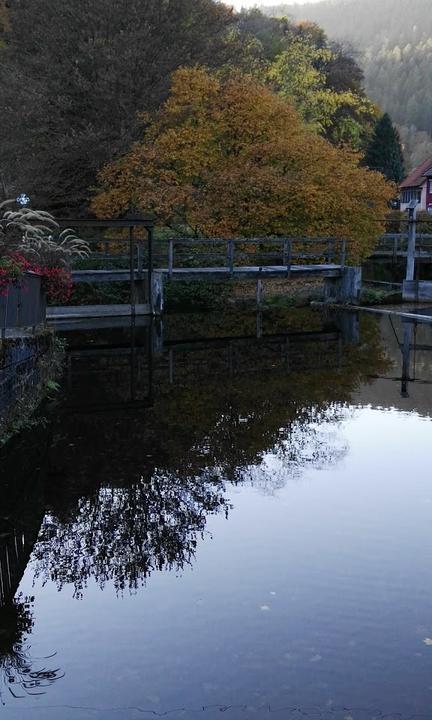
384, 152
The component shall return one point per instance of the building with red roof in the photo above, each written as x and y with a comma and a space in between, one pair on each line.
418, 186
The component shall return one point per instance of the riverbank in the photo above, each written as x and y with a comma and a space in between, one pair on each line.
30, 367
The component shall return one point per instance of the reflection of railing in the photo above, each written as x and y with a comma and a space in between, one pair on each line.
14, 555
127, 374
240, 356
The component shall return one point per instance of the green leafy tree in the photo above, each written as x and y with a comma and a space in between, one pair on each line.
326, 94
384, 152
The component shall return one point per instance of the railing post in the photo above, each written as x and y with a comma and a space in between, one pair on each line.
412, 229
287, 255
140, 257
170, 257
132, 270
343, 254
395, 249
330, 251
259, 293
259, 324
171, 365
230, 256
150, 268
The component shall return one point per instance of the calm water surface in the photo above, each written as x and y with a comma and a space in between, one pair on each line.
214, 522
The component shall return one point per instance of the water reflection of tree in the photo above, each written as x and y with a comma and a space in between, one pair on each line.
295, 452
121, 535
20, 673
132, 496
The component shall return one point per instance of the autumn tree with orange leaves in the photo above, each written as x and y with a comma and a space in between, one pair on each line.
228, 157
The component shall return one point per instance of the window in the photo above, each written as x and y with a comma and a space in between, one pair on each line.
430, 186
409, 194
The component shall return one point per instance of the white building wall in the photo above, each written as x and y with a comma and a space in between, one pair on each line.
422, 205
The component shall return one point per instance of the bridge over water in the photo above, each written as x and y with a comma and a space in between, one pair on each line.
125, 251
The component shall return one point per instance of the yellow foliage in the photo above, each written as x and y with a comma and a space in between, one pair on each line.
4, 17
228, 157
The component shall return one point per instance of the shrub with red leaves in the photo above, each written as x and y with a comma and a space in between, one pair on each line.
57, 283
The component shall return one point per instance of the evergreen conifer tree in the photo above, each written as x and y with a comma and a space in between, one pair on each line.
384, 152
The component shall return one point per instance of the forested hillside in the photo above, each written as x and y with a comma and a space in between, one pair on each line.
394, 42
79, 81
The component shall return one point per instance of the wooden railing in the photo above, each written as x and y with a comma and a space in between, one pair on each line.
396, 245
177, 252
256, 252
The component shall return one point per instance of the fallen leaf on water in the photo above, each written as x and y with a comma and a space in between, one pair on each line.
316, 658
266, 607
427, 641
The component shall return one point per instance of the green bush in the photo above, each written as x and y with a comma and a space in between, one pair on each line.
193, 296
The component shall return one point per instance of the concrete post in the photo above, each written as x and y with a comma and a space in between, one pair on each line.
346, 288
157, 293
412, 228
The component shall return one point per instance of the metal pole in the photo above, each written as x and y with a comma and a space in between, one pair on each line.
131, 271
132, 361
150, 268
170, 257
406, 356
412, 227
171, 365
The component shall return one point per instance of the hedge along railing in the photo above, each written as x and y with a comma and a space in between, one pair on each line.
23, 305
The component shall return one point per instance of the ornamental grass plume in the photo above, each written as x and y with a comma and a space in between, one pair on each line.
31, 240
37, 236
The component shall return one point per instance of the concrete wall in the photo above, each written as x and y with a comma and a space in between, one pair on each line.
417, 290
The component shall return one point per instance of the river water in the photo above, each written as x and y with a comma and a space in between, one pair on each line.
224, 515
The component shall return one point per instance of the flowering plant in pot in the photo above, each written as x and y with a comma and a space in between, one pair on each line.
32, 241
